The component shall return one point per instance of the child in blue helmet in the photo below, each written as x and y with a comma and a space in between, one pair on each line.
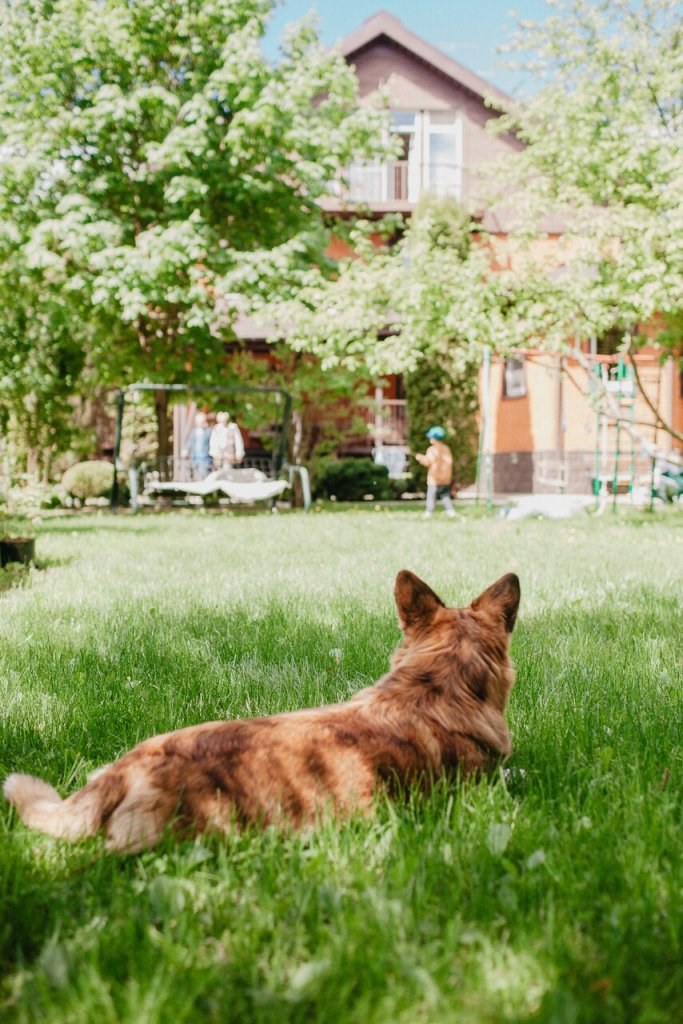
439, 462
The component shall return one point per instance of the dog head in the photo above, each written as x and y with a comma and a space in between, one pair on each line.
463, 650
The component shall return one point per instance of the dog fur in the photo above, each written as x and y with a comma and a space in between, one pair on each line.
438, 711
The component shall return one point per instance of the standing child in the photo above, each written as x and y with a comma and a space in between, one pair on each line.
439, 462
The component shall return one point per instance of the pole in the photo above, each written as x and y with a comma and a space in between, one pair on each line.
484, 456
615, 476
632, 459
480, 447
120, 402
656, 431
596, 468
280, 453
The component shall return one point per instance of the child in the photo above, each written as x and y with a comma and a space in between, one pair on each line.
439, 462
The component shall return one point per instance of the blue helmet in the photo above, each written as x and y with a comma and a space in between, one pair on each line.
437, 433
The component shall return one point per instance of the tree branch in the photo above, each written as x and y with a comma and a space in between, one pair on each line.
662, 424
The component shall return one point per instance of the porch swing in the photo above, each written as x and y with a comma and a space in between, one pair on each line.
155, 476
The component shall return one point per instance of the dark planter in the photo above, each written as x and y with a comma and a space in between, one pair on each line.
17, 549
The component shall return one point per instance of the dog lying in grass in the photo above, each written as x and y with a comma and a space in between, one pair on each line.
438, 711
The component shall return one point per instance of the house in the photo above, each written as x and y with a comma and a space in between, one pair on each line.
438, 111
541, 430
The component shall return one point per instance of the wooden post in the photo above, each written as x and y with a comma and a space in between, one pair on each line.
163, 448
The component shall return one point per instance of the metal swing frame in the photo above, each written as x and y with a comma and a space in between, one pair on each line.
278, 459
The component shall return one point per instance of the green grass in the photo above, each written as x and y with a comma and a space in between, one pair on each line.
552, 895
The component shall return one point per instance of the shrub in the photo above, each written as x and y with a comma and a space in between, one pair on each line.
13, 526
88, 480
352, 479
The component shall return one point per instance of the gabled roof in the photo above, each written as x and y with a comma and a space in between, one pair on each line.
383, 24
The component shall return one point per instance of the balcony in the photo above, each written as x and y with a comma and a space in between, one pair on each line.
398, 184
386, 436
387, 421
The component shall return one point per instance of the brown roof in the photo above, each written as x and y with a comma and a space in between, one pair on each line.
384, 24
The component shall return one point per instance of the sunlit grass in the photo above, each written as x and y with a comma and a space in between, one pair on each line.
551, 894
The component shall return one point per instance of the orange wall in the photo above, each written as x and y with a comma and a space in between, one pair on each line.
532, 422
677, 404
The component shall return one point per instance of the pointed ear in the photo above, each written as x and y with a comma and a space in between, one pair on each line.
416, 603
501, 598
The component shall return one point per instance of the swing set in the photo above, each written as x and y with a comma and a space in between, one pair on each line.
163, 470
610, 470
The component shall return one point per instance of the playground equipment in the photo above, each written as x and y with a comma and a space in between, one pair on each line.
263, 413
618, 382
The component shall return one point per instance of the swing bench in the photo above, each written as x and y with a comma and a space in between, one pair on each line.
173, 478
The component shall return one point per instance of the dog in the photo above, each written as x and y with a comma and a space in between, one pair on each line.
439, 711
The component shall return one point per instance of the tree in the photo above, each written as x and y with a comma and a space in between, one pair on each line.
158, 173
325, 403
40, 360
391, 307
400, 309
604, 147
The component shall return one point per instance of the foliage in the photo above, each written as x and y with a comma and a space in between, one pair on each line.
88, 480
404, 310
15, 526
157, 175
436, 396
324, 401
14, 574
352, 480
41, 354
391, 307
550, 894
604, 152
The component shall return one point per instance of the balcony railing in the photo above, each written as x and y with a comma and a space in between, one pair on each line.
398, 180
387, 421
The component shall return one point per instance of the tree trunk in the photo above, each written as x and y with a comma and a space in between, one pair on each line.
297, 436
33, 461
163, 441
297, 440
47, 463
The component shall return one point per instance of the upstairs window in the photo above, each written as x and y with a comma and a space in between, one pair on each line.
429, 159
442, 143
514, 379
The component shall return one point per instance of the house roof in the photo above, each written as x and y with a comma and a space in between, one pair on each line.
383, 24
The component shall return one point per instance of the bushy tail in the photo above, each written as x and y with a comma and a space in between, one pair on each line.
40, 806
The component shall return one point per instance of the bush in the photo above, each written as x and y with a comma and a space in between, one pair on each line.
352, 479
88, 480
15, 526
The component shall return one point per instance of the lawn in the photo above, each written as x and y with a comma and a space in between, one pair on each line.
551, 894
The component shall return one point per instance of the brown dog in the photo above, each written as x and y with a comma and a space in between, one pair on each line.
439, 710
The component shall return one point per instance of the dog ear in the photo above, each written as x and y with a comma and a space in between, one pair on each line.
416, 603
501, 598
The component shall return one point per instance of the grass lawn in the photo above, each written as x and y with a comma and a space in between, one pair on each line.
552, 895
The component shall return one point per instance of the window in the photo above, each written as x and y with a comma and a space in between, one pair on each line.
401, 174
429, 159
442, 170
514, 379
